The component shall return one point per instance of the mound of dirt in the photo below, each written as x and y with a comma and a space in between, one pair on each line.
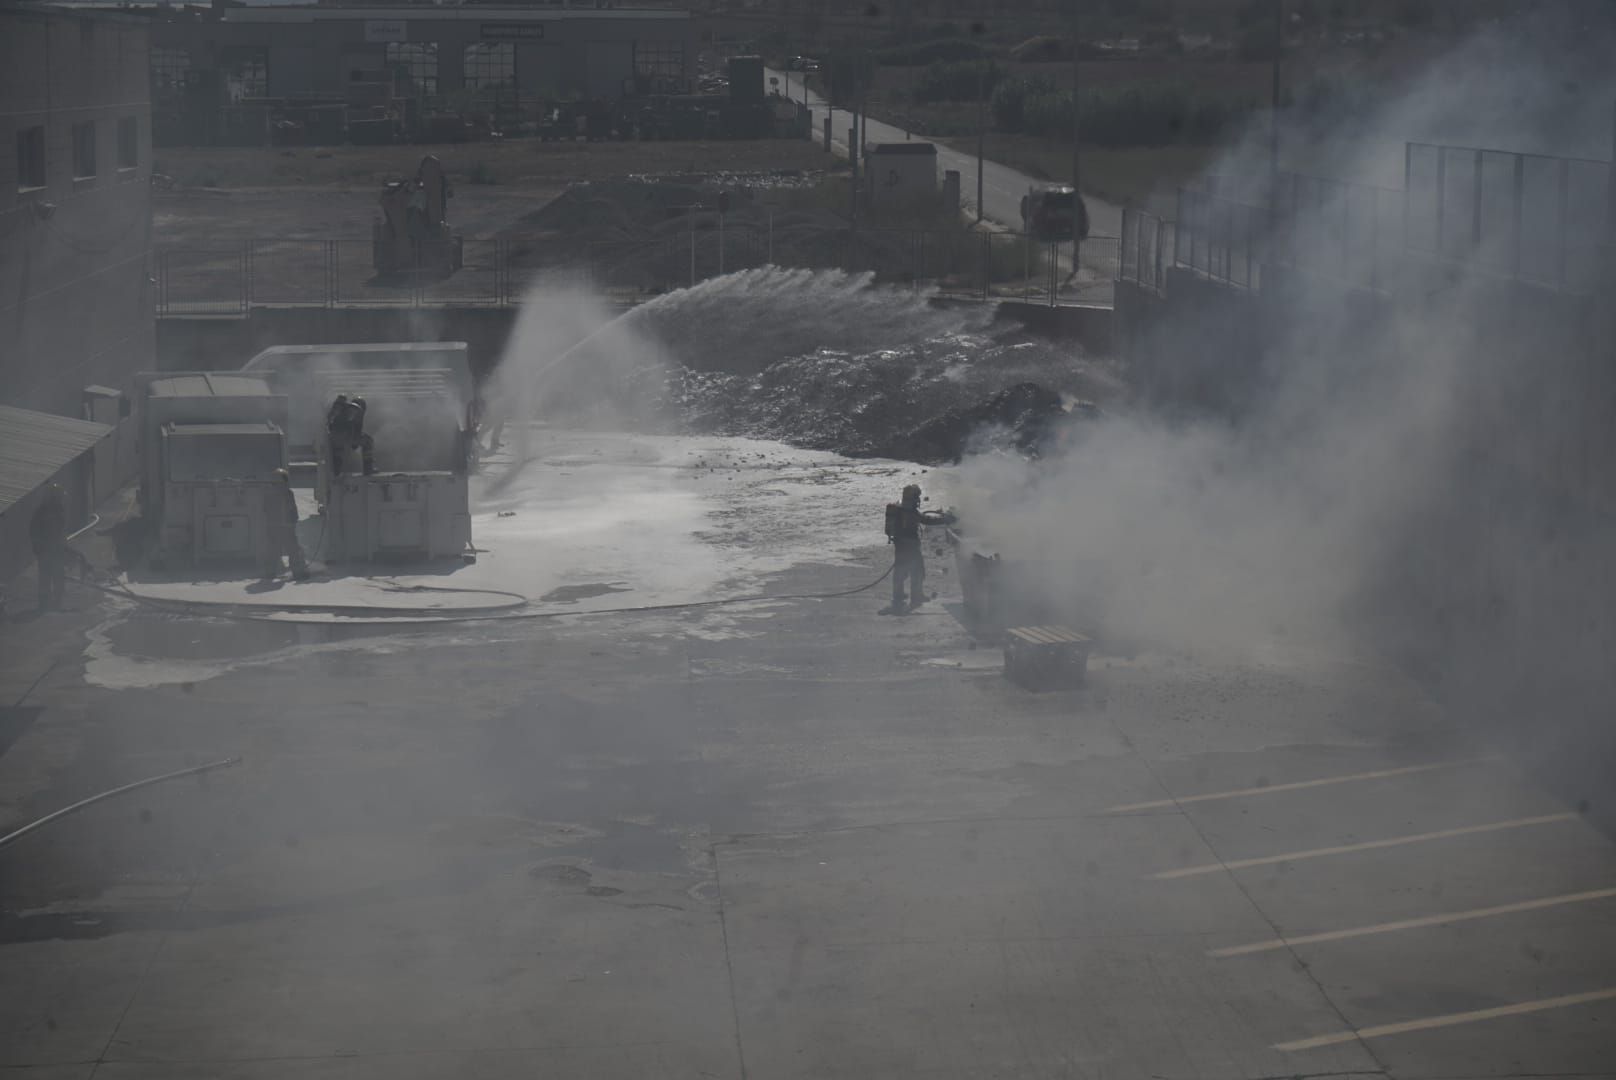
927, 403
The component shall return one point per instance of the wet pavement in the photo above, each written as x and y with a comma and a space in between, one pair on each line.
772, 839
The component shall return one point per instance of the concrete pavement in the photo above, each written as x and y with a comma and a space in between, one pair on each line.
783, 839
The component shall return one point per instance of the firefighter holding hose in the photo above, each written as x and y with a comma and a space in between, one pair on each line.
904, 520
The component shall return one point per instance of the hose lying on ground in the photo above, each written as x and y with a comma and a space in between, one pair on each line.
18, 834
434, 616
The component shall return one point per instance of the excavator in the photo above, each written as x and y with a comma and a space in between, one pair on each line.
411, 234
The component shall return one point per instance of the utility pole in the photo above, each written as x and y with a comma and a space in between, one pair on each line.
1273, 126
860, 112
981, 130
1078, 212
693, 208
1610, 184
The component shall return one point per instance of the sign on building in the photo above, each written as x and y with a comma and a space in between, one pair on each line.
506, 31
385, 30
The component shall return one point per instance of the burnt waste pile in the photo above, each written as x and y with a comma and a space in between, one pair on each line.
829, 361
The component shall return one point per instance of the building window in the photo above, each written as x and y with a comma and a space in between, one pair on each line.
31, 157
414, 67
84, 150
128, 143
659, 59
490, 65
246, 72
169, 70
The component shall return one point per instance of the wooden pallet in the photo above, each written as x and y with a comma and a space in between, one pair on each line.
1042, 657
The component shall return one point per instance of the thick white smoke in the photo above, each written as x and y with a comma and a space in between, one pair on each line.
1237, 535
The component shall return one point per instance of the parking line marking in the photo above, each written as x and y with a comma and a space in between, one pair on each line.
1410, 924
1448, 1020
1367, 845
1158, 804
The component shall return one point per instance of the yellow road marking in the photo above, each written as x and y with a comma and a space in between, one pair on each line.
1368, 845
1410, 924
1448, 1020
1378, 774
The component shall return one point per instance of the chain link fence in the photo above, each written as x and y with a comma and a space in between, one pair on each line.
1523, 217
1527, 216
499, 272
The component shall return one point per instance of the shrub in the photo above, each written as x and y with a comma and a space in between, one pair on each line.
958, 81
1042, 48
847, 72
1256, 43
1134, 116
931, 52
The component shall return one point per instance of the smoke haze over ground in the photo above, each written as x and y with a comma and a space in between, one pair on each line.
1236, 535
1214, 534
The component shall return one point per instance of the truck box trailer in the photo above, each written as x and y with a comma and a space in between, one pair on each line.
216, 480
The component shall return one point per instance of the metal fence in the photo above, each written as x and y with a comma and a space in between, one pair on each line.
1527, 216
1346, 232
1146, 249
499, 272
1219, 237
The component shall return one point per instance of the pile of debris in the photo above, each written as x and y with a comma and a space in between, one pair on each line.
927, 403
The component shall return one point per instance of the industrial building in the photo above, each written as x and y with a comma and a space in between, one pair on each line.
75, 244
221, 74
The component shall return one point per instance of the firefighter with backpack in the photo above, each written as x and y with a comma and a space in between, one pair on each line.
903, 523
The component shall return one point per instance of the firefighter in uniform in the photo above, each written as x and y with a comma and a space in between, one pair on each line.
47, 535
904, 520
280, 520
345, 427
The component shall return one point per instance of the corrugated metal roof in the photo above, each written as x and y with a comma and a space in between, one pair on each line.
34, 446
208, 385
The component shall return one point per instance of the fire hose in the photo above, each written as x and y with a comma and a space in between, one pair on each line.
18, 834
434, 616
31, 827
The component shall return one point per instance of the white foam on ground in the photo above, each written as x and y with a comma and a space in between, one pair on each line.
664, 519
661, 519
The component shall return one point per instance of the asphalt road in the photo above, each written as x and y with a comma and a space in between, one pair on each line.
787, 839
1002, 186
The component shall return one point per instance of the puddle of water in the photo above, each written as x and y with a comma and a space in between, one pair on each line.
637, 848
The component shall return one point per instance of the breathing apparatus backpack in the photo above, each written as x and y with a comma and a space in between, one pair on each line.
894, 520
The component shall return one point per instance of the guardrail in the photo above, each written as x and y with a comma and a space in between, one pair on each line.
261, 272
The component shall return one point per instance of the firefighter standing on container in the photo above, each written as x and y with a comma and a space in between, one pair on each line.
904, 520
280, 522
345, 426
